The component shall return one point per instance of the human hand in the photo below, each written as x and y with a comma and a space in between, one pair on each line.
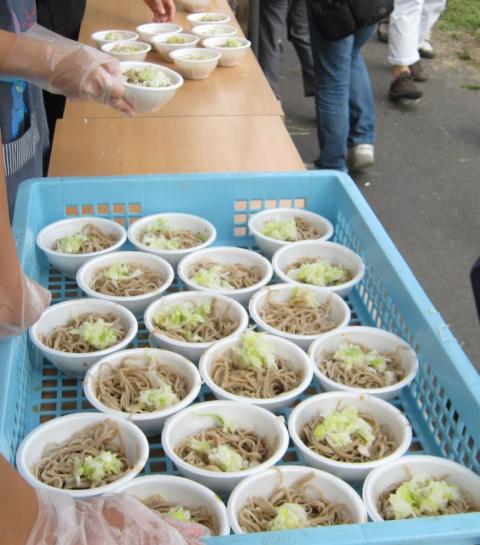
163, 10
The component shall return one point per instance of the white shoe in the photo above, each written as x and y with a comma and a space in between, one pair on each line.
426, 50
361, 156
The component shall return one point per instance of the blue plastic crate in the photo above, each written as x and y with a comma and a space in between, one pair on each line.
443, 403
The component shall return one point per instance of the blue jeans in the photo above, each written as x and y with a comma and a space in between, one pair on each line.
343, 96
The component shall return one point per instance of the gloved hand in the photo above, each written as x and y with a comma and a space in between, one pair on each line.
20, 308
119, 519
163, 10
65, 67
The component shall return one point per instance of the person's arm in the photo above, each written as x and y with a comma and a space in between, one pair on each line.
163, 10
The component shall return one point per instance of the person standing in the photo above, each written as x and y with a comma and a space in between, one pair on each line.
274, 16
411, 23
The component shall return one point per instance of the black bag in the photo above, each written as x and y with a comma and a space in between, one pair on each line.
337, 19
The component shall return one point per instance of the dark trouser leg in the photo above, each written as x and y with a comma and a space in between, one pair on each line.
299, 36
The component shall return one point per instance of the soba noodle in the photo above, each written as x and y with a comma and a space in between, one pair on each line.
196, 323
261, 514
86, 333
125, 280
291, 230
199, 514
61, 464
229, 276
301, 314
366, 443
138, 385
160, 236
88, 240
358, 366
318, 272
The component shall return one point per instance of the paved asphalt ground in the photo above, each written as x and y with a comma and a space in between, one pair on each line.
425, 185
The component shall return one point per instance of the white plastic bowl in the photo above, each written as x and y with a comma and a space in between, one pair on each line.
324, 404
139, 55
192, 351
164, 48
268, 245
333, 253
150, 99
182, 491
230, 56
137, 303
227, 255
263, 485
69, 264
214, 31
198, 68
339, 310
188, 422
150, 422
372, 338
195, 19
195, 6
60, 429
100, 37
395, 472
73, 364
175, 221
149, 30
289, 351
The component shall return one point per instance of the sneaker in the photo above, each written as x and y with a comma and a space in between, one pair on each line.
361, 156
403, 87
382, 30
418, 72
426, 50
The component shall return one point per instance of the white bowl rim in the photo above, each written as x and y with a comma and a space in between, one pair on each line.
406, 380
140, 438
192, 17
247, 43
179, 53
151, 217
116, 308
279, 452
232, 30
128, 255
59, 223
142, 417
259, 401
325, 244
144, 47
141, 28
160, 68
133, 35
253, 219
269, 329
160, 38
184, 344
341, 396
233, 249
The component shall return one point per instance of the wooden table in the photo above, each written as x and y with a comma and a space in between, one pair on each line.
96, 147
240, 90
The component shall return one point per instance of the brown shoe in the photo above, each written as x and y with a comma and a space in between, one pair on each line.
403, 87
418, 72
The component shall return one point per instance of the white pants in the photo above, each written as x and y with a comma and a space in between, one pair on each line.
410, 24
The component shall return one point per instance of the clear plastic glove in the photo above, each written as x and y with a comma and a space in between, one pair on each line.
109, 520
163, 10
66, 67
21, 308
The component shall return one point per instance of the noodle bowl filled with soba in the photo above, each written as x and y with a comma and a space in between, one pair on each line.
69, 243
278, 227
349, 434
299, 314
363, 359
132, 279
235, 272
218, 443
83, 455
319, 263
293, 497
181, 499
421, 486
73, 335
189, 322
171, 235
143, 385
257, 368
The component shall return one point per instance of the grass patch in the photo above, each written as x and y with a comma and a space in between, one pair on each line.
464, 54
461, 15
471, 86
